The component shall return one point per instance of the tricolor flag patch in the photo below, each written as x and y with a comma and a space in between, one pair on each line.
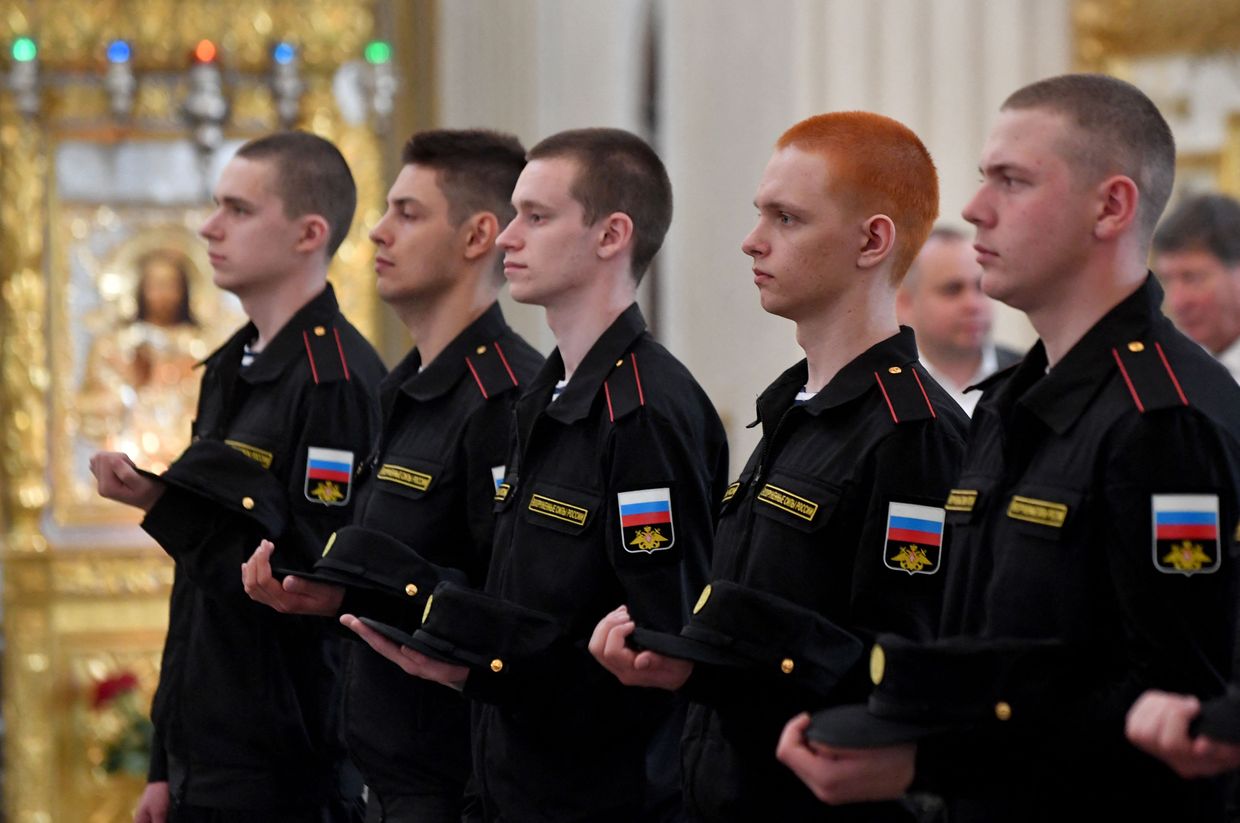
646, 520
1186, 533
914, 541
329, 473
497, 475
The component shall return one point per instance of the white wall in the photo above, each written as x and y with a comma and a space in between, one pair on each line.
733, 75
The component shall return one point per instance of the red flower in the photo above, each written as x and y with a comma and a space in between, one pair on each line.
110, 688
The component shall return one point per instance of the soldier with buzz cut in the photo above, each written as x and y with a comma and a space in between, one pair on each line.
610, 491
245, 714
428, 490
834, 530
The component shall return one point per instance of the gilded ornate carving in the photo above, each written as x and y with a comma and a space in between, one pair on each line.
74, 612
1106, 30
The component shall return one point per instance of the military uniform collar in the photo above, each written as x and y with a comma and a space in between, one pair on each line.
852, 381
578, 396
1059, 397
287, 346
445, 372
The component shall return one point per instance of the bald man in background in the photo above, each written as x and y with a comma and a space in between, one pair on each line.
942, 299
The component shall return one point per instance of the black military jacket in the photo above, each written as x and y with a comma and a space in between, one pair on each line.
811, 519
245, 709
563, 740
1097, 505
431, 483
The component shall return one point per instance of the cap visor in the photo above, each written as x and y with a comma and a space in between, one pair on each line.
1219, 719
390, 632
335, 578
436, 649
853, 727
675, 645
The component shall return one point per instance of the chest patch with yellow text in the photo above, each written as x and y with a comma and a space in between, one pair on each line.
1186, 533
914, 539
402, 476
646, 520
787, 501
558, 510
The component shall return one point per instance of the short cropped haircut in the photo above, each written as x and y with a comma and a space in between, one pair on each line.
312, 177
617, 172
1206, 222
1118, 131
477, 169
877, 166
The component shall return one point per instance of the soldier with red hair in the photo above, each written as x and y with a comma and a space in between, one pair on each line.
833, 531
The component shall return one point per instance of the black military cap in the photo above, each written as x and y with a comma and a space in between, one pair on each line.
1219, 718
470, 628
371, 559
925, 688
733, 625
216, 471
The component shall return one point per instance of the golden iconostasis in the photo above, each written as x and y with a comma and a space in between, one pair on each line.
115, 118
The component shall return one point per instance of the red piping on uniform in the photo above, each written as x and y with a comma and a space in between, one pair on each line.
883, 389
477, 380
340, 349
1131, 390
637, 378
610, 413
305, 337
1174, 380
929, 405
504, 360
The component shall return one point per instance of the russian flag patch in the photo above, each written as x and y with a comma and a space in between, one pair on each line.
1186, 533
646, 520
914, 542
329, 474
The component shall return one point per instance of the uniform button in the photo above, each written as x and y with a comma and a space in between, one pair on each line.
411, 589
619, 362
1136, 346
480, 350
497, 665
787, 665
895, 370
247, 503
1003, 711
319, 331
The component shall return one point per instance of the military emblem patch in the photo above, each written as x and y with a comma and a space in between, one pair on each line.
914, 541
1186, 533
646, 520
329, 473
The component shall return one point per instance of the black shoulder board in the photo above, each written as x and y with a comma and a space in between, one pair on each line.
624, 388
904, 394
325, 353
491, 370
1148, 376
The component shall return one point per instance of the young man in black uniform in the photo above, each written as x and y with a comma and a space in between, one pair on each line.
431, 483
1098, 500
612, 424
859, 450
244, 714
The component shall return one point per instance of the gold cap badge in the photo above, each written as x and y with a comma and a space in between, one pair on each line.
705, 595
878, 662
